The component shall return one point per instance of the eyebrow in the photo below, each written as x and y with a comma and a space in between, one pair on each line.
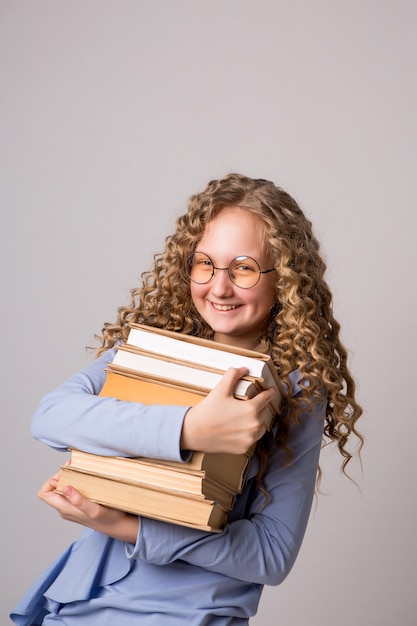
238, 256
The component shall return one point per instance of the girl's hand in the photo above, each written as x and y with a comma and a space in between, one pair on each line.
72, 506
221, 423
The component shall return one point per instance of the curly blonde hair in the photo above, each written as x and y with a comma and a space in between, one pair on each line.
303, 333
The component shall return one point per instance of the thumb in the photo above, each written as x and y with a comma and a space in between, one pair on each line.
230, 378
72, 494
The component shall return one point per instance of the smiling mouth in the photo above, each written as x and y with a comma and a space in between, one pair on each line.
225, 307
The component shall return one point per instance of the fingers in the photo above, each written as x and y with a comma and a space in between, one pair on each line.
263, 398
74, 507
231, 377
69, 503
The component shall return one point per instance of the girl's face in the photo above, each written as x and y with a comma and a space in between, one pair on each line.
236, 315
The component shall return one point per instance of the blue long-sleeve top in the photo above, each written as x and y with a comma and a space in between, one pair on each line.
172, 575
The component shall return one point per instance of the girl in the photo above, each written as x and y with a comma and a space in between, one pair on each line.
243, 268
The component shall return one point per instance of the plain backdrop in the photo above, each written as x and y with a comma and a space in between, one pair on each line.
112, 114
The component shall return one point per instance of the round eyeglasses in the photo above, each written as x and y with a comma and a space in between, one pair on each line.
244, 272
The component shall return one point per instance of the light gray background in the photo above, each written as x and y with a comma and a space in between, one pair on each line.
113, 113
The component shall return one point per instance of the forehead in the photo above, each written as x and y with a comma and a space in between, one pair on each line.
232, 227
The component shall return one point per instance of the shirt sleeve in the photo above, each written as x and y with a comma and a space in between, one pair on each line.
262, 540
74, 415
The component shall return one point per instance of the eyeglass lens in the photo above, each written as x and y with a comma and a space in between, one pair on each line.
243, 271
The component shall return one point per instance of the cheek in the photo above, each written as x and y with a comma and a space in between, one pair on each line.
197, 293
262, 306
266, 294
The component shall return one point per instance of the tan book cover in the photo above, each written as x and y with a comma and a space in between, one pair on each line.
229, 470
177, 508
155, 475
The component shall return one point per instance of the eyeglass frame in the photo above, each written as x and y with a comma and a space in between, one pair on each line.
188, 266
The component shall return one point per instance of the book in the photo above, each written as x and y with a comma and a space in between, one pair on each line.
165, 369
164, 505
135, 386
208, 353
229, 470
132, 386
181, 478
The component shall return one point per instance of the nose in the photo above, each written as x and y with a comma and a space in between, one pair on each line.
221, 284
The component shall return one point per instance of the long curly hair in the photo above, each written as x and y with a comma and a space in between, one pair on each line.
303, 333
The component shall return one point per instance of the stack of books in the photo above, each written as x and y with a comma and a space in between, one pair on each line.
156, 366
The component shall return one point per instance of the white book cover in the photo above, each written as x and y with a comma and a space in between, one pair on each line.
183, 348
155, 366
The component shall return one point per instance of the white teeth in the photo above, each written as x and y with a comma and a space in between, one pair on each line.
225, 307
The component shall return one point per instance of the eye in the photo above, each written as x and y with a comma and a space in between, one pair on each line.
245, 265
202, 261
244, 268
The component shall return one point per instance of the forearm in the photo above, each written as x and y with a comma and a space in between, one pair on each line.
262, 541
74, 415
245, 550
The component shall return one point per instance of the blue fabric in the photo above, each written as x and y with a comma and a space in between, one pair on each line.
173, 575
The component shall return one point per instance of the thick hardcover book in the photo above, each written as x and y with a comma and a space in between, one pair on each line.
206, 353
169, 506
184, 480
135, 387
168, 370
